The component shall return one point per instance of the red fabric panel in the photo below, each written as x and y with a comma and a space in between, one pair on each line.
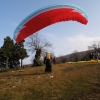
47, 18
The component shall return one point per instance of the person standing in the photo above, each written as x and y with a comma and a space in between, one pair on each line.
48, 67
54, 60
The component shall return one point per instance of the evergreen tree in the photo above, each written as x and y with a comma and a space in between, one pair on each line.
2, 59
20, 51
7, 49
11, 53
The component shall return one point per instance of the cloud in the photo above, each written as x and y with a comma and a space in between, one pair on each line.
66, 45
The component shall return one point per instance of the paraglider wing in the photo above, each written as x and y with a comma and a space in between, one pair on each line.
47, 16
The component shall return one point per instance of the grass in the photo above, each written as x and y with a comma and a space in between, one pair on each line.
77, 81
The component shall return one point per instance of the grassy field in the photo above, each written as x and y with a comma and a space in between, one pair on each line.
77, 81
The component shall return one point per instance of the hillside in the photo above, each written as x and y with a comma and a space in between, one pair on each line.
66, 82
75, 56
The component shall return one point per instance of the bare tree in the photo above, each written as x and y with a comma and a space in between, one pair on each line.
94, 45
95, 49
37, 43
75, 55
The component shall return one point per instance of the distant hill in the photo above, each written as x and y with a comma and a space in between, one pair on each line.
76, 56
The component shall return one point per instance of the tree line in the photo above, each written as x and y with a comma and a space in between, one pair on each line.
93, 52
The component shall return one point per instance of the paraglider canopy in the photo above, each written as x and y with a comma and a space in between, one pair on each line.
47, 16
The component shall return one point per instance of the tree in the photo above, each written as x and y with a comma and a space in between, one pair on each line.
11, 53
20, 52
2, 59
95, 50
39, 44
7, 48
74, 56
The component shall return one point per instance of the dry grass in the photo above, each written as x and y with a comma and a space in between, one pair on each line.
80, 81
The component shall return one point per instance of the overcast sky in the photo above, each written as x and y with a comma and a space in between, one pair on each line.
66, 37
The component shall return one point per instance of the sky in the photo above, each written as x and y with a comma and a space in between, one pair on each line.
66, 37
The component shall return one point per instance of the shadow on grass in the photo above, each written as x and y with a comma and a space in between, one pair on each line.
25, 74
